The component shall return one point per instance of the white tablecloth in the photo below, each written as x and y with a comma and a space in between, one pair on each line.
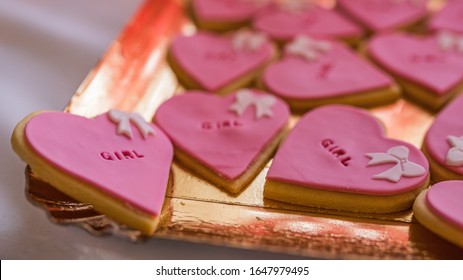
46, 49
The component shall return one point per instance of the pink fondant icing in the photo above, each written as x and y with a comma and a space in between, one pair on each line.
449, 18
447, 123
380, 15
335, 73
330, 149
212, 61
444, 199
418, 59
135, 170
226, 10
196, 123
316, 21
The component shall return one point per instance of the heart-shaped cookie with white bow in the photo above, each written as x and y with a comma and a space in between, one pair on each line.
337, 157
116, 161
385, 15
284, 23
430, 69
319, 72
220, 63
225, 15
443, 143
226, 140
449, 18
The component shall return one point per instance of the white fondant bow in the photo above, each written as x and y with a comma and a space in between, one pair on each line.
455, 153
123, 120
403, 167
307, 47
245, 98
448, 41
248, 41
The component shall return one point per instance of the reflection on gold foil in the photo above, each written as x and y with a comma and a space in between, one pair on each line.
133, 63
133, 75
404, 121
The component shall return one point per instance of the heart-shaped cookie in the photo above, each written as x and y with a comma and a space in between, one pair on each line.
441, 211
449, 18
430, 69
338, 157
335, 75
218, 63
382, 15
443, 144
123, 176
225, 139
223, 15
285, 25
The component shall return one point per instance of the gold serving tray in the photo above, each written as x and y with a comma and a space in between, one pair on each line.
133, 75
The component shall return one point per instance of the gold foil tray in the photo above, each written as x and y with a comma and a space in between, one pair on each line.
133, 76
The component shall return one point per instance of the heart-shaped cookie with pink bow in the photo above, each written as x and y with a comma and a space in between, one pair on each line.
385, 15
319, 72
449, 18
337, 157
439, 209
225, 15
226, 140
220, 63
116, 161
430, 69
284, 23
443, 143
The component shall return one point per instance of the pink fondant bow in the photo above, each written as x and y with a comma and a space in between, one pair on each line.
123, 119
403, 167
248, 41
455, 153
448, 41
307, 47
245, 98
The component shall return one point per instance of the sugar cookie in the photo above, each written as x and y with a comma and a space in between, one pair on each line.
440, 210
226, 140
116, 161
449, 18
218, 63
284, 24
443, 143
385, 15
319, 72
430, 69
225, 15
337, 157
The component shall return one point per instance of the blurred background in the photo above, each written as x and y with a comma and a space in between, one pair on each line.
47, 47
